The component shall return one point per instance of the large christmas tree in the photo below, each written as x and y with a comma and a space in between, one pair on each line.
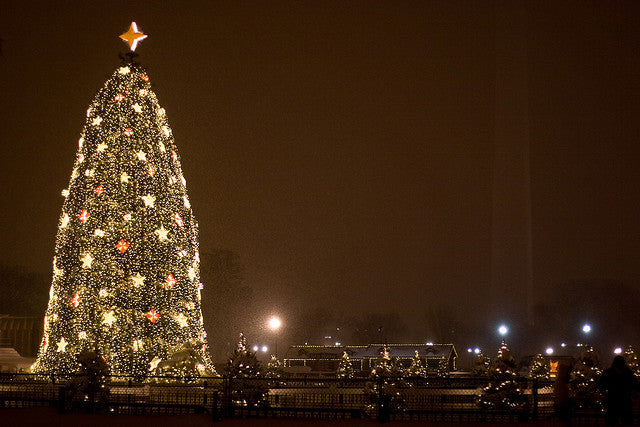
126, 279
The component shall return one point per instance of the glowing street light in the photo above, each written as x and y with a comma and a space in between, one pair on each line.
586, 328
618, 350
503, 330
549, 351
275, 323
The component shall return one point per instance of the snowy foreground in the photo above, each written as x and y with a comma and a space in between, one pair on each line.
51, 418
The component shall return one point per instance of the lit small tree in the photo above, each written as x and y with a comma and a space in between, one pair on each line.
417, 368
583, 383
273, 368
243, 363
538, 368
503, 391
345, 367
243, 370
631, 358
481, 365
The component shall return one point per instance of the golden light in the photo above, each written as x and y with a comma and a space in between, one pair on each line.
275, 323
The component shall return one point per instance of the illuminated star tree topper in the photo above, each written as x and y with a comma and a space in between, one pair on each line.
133, 36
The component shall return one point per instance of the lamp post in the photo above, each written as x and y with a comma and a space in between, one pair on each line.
586, 329
274, 324
503, 330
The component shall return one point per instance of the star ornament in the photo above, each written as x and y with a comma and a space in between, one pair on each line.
84, 216
122, 246
75, 300
86, 259
108, 318
153, 316
133, 36
137, 279
171, 281
148, 200
181, 319
162, 233
62, 345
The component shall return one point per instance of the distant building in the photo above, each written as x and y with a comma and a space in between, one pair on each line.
20, 333
324, 360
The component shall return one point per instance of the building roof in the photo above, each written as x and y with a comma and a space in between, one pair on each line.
370, 351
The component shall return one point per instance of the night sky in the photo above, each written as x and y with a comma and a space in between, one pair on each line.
347, 154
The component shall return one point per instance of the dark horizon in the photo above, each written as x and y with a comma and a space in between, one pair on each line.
358, 163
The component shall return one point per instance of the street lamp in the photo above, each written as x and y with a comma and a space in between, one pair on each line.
503, 330
274, 324
586, 328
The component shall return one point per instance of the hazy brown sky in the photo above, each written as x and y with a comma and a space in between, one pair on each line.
345, 149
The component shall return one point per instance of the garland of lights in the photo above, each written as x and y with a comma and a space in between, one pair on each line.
126, 278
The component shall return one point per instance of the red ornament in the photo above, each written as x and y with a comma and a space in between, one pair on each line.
128, 132
171, 281
122, 245
84, 216
179, 220
98, 190
119, 97
145, 77
152, 170
75, 300
153, 316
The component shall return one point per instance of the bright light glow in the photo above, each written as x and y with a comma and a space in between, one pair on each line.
255, 348
265, 348
477, 350
469, 350
337, 343
274, 323
429, 343
502, 330
549, 350
586, 328
618, 350
563, 345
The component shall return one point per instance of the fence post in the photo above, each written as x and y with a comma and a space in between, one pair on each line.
62, 395
534, 386
383, 403
214, 409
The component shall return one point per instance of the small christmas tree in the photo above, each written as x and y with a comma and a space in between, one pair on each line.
345, 367
386, 366
417, 368
481, 365
126, 278
583, 381
632, 360
273, 368
243, 363
385, 390
538, 368
503, 391
243, 371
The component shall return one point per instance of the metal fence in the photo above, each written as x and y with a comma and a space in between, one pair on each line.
424, 399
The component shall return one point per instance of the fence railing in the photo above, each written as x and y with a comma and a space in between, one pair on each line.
427, 399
